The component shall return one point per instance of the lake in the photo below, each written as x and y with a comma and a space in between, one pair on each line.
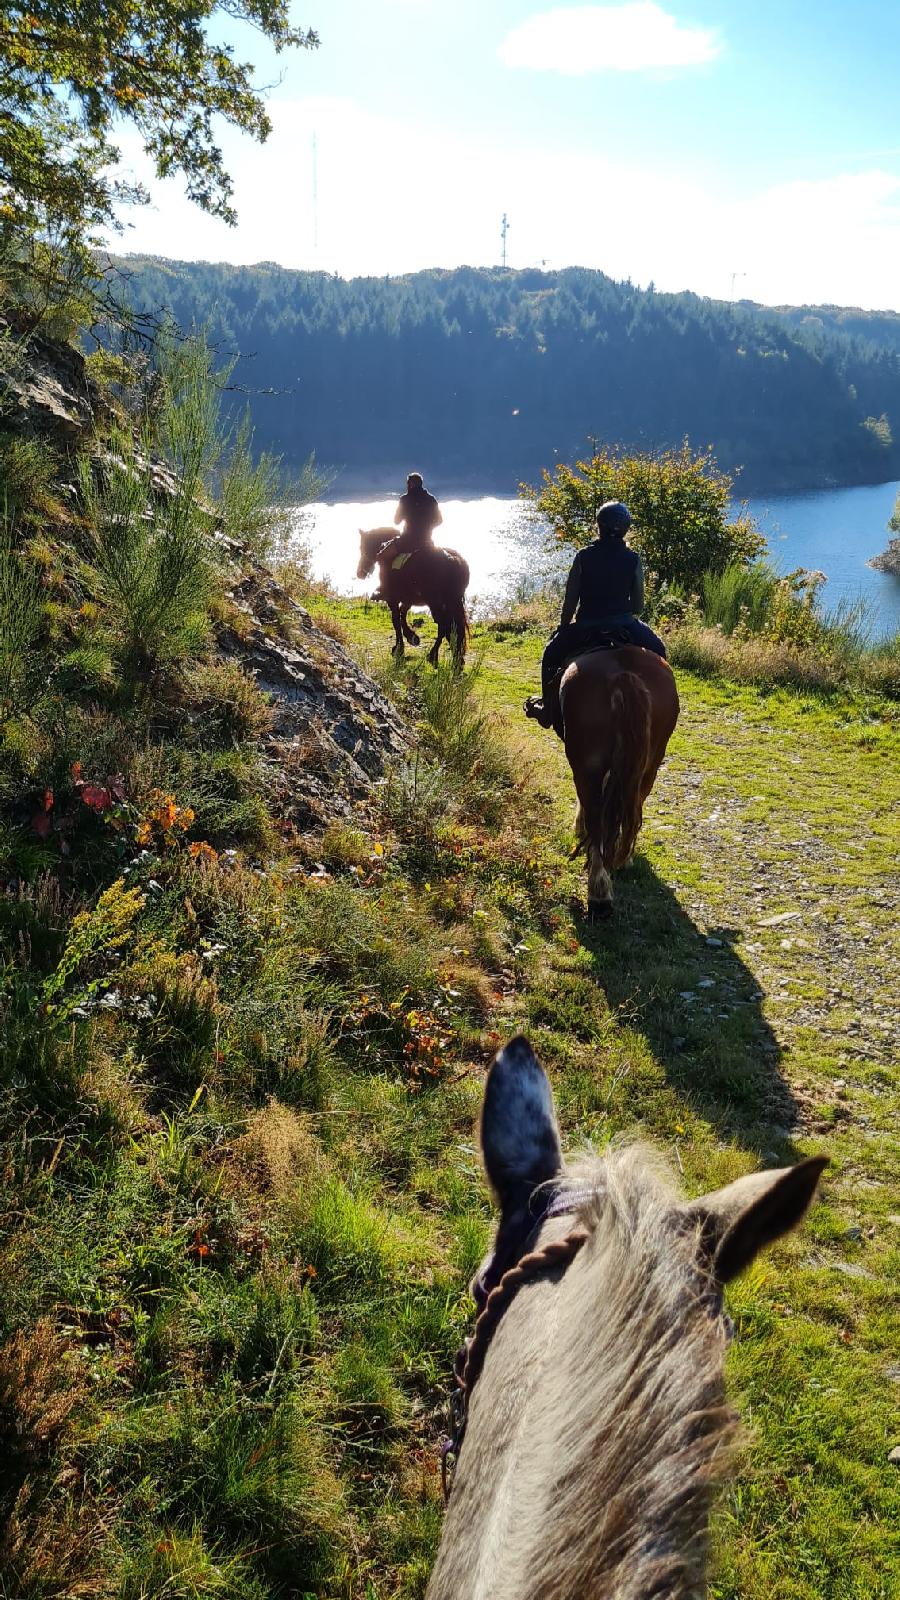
835, 531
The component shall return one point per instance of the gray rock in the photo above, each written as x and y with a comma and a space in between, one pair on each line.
334, 734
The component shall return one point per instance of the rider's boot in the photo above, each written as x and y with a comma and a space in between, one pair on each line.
535, 708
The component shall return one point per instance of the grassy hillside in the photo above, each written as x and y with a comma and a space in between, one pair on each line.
242, 1065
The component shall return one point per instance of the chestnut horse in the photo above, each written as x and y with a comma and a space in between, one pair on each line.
592, 1426
432, 577
619, 709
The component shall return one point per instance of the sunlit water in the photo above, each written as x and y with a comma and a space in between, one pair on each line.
834, 531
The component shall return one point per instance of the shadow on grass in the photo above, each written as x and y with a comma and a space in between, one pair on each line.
698, 1006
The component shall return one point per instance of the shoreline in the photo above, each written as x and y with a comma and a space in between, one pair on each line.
360, 485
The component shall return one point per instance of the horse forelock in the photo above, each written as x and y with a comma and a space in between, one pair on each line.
599, 1426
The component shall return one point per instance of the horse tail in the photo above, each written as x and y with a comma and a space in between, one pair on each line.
614, 809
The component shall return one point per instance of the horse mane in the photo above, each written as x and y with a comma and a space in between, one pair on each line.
375, 539
602, 1485
653, 1434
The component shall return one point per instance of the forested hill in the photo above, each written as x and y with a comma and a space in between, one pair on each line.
876, 330
480, 377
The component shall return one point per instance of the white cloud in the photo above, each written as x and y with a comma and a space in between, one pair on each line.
396, 197
630, 38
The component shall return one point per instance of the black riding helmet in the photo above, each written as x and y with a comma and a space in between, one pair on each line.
614, 518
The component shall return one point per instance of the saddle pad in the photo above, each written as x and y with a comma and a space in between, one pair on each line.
401, 560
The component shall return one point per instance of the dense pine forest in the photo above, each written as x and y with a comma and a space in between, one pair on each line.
483, 376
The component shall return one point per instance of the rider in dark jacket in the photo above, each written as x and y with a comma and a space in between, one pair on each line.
420, 514
605, 588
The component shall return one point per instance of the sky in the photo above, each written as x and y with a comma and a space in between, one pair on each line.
739, 148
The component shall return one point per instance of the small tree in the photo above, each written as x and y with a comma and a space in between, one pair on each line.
680, 502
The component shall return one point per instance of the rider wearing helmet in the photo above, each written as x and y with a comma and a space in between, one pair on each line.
605, 588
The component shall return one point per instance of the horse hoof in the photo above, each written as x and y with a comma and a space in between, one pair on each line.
599, 911
413, 638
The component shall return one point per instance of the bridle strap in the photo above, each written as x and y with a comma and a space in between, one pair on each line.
471, 1357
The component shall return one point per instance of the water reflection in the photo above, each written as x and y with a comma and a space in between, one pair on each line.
834, 531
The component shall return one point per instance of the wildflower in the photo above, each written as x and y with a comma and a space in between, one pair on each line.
202, 851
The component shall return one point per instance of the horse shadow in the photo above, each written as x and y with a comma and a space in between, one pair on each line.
699, 1007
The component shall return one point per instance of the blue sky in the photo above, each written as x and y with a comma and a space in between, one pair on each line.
747, 148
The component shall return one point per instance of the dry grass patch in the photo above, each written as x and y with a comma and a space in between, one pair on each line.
279, 1152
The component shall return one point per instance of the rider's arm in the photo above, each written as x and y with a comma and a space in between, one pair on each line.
572, 594
399, 514
637, 588
438, 519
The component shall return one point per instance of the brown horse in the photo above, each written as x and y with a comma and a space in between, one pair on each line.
432, 577
593, 1426
619, 709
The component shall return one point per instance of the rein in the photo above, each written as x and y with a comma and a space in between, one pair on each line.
471, 1357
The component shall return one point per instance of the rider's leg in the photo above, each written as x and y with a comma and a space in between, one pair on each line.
558, 648
641, 634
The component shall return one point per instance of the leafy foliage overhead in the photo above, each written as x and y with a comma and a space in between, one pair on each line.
71, 69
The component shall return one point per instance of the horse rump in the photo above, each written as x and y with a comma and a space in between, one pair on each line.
610, 781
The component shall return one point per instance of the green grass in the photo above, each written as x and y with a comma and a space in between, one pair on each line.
241, 1198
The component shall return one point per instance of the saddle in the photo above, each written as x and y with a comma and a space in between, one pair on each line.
605, 639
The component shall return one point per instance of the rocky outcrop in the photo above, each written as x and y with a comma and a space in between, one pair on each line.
333, 732
46, 391
889, 560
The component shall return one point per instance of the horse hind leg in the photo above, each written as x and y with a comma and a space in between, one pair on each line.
600, 889
442, 634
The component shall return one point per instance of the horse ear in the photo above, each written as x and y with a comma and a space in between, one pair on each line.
519, 1134
740, 1220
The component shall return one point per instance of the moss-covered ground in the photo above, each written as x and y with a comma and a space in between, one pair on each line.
240, 1186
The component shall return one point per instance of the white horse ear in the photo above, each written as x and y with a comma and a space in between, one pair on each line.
519, 1134
740, 1220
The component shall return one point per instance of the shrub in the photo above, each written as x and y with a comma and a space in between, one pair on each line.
179, 1037
680, 502
149, 565
28, 479
229, 707
757, 602
467, 768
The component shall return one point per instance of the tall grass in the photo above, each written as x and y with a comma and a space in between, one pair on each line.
740, 596
21, 620
149, 564
259, 500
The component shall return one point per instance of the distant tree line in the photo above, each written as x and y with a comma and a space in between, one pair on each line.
482, 377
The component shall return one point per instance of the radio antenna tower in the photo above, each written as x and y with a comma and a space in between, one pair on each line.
315, 195
504, 230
